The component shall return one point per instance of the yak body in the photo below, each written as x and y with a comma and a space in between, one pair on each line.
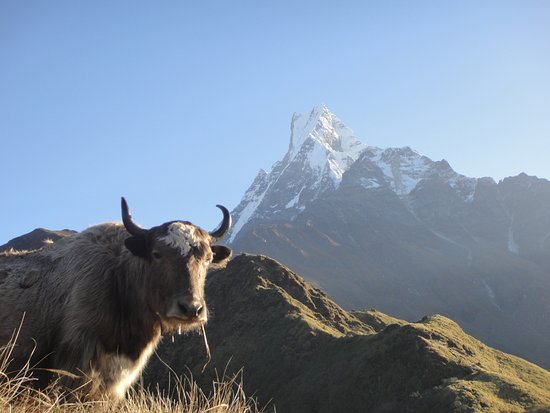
89, 306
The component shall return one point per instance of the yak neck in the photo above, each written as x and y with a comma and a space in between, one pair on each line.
136, 324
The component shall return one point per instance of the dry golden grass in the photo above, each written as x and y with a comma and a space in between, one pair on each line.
17, 395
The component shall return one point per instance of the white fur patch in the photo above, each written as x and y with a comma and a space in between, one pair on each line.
115, 373
181, 236
128, 375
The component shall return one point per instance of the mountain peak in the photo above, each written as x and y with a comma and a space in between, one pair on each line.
321, 149
326, 130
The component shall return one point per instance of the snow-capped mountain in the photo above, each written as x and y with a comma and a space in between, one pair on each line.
391, 229
401, 169
322, 148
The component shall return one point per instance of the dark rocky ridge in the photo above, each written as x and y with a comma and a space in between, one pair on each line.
35, 239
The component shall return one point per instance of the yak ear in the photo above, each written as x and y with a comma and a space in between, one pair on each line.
221, 254
137, 246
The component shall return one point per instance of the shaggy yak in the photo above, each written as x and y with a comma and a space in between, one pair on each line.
96, 303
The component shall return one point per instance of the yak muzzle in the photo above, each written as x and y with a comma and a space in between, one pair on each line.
191, 307
186, 312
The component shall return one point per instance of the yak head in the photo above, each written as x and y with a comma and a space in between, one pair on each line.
177, 255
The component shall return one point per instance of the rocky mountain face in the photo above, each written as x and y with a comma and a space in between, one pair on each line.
394, 230
301, 352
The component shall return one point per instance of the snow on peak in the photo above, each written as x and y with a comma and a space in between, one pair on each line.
321, 149
329, 143
403, 168
301, 125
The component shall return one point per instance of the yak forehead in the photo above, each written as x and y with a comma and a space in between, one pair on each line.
183, 236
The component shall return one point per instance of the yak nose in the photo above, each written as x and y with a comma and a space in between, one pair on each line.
191, 307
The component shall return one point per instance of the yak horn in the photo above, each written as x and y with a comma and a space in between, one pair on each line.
129, 224
224, 226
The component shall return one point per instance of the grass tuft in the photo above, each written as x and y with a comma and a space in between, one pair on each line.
17, 395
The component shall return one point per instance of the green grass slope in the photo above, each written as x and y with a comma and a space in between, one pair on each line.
306, 354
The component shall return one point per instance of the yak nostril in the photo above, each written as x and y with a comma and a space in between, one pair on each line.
191, 309
199, 310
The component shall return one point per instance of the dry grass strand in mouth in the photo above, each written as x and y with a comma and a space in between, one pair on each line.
208, 354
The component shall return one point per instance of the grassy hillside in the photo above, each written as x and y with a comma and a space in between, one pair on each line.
305, 354
430, 253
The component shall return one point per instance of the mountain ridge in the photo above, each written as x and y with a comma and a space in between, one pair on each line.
35, 239
410, 236
321, 149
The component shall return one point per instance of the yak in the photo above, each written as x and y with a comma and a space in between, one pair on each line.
94, 305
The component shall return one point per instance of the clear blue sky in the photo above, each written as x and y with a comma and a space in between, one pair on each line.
177, 104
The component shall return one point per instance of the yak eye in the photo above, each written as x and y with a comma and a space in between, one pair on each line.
157, 255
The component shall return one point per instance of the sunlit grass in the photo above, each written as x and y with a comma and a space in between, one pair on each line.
17, 395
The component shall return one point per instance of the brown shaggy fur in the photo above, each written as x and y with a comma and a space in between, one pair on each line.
94, 309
